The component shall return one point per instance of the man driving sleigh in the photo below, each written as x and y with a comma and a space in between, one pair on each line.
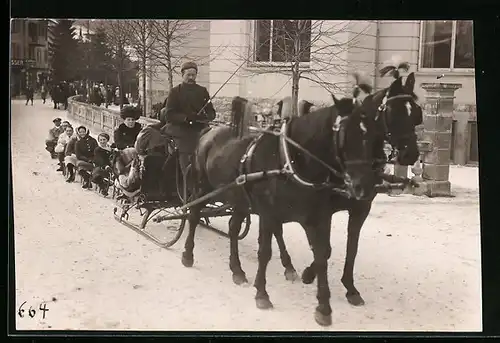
187, 112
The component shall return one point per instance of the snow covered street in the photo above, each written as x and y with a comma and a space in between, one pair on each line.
418, 266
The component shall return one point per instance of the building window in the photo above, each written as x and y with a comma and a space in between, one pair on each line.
38, 56
32, 31
40, 29
275, 40
447, 44
13, 49
31, 53
16, 25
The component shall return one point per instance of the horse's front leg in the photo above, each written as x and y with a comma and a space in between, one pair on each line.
318, 231
286, 260
193, 219
267, 225
237, 218
309, 274
357, 217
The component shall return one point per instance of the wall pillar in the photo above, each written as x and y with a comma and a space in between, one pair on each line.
438, 118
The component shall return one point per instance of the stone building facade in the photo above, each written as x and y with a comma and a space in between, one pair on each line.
29, 53
237, 58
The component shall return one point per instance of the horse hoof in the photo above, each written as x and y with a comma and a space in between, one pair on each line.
355, 299
308, 276
239, 279
187, 261
291, 275
323, 320
264, 304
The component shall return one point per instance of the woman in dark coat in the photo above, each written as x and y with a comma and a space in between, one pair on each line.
84, 151
102, 163
126, 133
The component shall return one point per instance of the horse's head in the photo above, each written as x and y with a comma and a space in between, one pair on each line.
397, 112
355, 134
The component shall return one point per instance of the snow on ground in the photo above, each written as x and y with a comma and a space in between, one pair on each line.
418, 266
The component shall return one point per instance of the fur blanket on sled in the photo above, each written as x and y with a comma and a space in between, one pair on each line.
127, 166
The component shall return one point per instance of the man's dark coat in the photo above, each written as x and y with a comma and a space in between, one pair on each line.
183, 106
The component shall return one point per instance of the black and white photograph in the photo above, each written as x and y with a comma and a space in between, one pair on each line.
245, 175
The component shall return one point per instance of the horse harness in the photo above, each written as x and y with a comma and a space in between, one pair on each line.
382, 112
288, 169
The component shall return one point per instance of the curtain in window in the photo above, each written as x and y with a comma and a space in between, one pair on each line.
464, 45
436, 44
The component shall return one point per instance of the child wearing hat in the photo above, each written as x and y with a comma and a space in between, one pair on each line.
54, 133
84, 151
62, 142
126, 133
102, 163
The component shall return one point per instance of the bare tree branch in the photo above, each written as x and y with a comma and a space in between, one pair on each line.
173, 45
118, 38
309, 50
143, 38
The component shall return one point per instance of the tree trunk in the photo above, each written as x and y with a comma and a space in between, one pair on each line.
296, 68
120, 78
169, 61
295, 88
170, 73
120, 89
144, 85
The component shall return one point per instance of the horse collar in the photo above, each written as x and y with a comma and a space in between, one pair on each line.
288, 163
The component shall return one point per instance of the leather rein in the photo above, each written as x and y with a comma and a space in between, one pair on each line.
338, 132
288, 169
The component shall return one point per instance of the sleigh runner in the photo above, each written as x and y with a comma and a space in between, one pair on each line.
163, 200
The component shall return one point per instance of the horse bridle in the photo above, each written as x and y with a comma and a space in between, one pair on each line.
382, 112
338, 129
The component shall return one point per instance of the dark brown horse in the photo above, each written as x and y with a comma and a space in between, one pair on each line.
397, 114
333, 153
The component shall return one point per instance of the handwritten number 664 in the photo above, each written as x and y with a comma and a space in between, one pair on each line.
32, 311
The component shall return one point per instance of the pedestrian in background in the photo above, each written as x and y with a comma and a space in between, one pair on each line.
29, 94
